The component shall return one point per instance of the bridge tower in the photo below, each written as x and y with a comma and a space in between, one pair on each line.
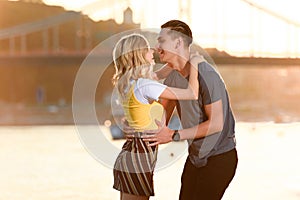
185, 10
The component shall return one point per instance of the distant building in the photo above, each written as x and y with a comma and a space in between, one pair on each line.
128, 16
52, 29
105, 29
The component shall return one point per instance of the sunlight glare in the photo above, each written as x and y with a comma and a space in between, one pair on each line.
232, 25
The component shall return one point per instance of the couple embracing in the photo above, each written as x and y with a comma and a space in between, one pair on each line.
197, 91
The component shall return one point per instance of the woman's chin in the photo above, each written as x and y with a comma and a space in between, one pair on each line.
161, 58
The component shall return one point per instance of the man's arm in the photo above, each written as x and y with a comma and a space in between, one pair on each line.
213, 124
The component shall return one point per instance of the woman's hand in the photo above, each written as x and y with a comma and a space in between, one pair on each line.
196, 58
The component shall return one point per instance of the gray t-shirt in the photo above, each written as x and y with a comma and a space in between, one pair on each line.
211, 89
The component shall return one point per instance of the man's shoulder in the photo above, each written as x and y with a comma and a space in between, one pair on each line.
208, 71
206, 67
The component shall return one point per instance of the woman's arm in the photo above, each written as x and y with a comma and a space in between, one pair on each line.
193, 88
162, 72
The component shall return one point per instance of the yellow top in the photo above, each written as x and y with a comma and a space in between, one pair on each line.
139, 115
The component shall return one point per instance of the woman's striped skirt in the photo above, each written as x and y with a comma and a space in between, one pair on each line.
134, 166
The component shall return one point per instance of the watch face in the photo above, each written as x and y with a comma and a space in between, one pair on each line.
176, 136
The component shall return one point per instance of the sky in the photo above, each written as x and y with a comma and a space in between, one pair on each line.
272, 28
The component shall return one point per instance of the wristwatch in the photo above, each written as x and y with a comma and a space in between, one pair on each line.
176, 136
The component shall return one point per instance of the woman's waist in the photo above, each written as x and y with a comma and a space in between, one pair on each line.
139, 134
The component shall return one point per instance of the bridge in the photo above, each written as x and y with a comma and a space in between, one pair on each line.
51, 39
43, 26
36, 85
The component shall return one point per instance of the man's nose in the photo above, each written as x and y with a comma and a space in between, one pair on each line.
157, 46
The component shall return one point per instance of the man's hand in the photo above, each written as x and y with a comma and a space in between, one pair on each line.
161, 136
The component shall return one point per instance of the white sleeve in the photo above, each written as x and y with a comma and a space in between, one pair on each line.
147, 89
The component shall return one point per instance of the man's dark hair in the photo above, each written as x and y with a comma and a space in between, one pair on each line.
179, 28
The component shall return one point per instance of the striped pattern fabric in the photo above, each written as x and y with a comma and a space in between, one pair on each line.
134, 166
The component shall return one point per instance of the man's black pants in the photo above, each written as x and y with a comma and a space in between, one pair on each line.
210, 181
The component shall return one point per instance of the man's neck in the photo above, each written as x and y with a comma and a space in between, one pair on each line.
182, 65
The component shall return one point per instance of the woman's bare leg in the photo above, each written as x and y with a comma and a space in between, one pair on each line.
126, 196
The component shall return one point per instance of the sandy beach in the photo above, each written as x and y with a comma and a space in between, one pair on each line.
50, 162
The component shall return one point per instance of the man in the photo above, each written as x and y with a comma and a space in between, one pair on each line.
208, 123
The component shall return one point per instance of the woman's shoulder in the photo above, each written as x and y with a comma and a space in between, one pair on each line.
148, 84
143, 81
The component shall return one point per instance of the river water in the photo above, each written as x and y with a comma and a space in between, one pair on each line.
263, 93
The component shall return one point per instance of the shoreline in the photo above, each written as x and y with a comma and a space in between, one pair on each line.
19, 115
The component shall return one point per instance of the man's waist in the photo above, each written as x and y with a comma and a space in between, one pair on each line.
201, 150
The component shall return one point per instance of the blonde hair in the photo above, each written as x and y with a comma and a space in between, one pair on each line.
130, 62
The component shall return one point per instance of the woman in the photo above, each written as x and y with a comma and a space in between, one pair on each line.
139, 94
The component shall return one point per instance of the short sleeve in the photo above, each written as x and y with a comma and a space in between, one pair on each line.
147, 89
212, 87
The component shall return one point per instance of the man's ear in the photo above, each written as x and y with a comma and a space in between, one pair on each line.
178, 43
